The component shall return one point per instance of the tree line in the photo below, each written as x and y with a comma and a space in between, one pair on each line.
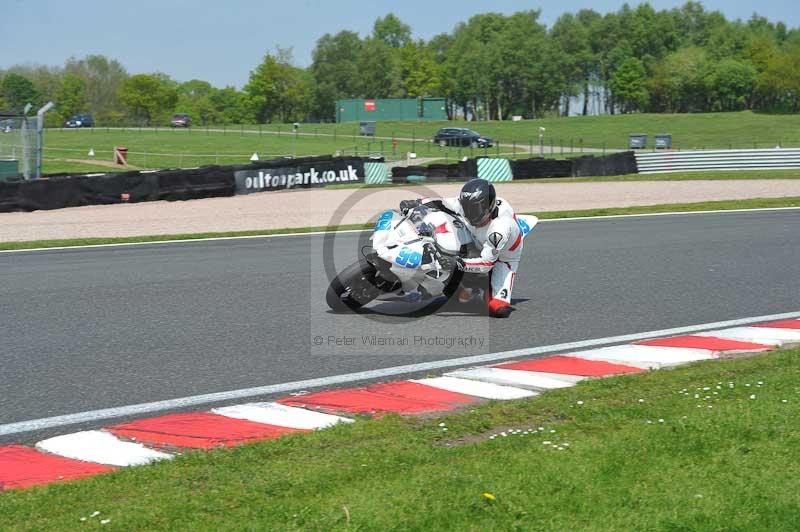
492, 66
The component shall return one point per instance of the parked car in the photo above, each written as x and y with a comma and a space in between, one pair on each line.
180, 120
80, 121
461, 136
7, 124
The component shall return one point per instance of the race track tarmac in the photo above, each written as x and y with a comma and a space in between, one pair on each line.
103, 327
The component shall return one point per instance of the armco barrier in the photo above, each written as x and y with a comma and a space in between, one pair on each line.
692, 161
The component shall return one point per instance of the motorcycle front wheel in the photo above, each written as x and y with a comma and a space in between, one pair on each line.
356, 286
353, 288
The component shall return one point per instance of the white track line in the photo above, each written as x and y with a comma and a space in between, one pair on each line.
281, 415
195, 400
484, 390
102, 448
317, 233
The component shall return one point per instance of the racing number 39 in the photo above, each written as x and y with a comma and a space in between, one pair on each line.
408, 258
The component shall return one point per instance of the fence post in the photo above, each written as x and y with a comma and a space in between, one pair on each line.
580, 141
561, 141
604, 147
334, 133
513, 149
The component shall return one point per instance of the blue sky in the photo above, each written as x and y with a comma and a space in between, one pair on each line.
221, 41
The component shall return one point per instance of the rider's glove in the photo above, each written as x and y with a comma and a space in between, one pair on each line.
425, 229
460, 264
407, 205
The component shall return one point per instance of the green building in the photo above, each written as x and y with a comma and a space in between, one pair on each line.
379, 110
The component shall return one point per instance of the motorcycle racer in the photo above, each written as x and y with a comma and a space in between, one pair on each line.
496, 233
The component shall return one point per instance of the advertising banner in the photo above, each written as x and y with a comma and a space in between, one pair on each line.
308, 175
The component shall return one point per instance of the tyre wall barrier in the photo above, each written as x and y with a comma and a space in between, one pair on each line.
497, 170
58, 191
73, 190
621, 163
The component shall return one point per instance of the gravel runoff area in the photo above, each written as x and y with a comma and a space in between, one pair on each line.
318, 207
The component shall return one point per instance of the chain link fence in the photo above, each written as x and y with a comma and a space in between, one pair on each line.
18, 145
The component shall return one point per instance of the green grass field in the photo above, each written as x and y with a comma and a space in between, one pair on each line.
67, 150
709, 446
689, 131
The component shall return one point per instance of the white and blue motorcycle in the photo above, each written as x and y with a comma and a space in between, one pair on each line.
412, 256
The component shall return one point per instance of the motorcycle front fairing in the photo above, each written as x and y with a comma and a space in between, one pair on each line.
408, 244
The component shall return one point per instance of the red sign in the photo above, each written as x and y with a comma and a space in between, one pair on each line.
369, 105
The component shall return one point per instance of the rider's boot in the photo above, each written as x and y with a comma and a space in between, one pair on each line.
499, 308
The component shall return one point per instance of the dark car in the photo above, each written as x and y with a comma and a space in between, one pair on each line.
180, 120
461, 136
80, 121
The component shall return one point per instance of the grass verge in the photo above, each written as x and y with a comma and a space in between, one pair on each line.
710, 446
758, 203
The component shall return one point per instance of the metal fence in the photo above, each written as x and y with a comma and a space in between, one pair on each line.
698, 161
18, 143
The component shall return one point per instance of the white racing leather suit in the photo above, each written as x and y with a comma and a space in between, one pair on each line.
500, 243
